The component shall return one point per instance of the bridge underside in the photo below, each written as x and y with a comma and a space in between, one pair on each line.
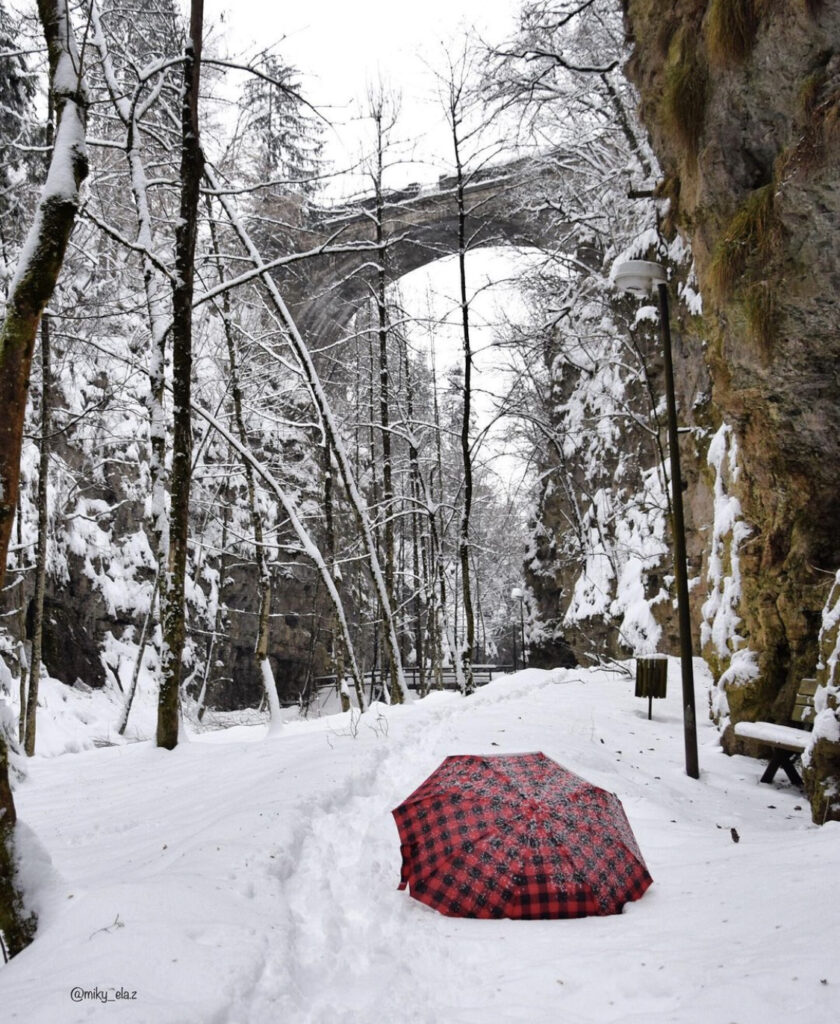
327, 290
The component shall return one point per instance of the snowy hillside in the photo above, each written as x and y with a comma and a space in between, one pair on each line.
241, 879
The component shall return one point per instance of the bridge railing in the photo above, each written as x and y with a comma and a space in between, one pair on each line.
482, 674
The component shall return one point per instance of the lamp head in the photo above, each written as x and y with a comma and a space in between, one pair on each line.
638, 276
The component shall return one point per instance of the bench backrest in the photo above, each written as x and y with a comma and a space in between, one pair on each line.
803, 708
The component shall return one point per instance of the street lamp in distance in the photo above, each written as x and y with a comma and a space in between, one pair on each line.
639, 277
518, 594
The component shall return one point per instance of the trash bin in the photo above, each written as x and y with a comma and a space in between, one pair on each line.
651, 678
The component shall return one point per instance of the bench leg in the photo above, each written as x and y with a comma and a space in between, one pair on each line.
782, 759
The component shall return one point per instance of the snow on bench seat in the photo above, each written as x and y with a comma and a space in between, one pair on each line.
787, 742
784, 736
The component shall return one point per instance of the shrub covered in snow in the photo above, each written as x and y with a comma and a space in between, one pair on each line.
822, 758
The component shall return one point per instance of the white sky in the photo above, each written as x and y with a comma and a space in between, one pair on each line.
437, 286
341, 48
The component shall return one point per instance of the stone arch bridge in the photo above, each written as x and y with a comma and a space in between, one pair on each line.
508, 204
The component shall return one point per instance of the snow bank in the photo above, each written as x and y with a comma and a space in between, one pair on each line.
244, 879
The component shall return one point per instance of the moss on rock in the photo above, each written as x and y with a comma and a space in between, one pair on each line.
761, 310
731, 27
685, 92
750, 240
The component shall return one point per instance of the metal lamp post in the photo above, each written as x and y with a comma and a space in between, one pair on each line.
638, 277
519, 595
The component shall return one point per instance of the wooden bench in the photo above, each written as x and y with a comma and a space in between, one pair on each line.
788, 742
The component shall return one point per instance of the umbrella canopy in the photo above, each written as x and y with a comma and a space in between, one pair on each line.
517, 835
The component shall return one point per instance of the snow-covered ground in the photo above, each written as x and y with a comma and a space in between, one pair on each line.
250, 880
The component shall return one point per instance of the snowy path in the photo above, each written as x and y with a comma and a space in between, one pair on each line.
242, 882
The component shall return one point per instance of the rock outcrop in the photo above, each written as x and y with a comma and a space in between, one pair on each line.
742, 101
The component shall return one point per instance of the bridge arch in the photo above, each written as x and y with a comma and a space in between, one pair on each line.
421, 227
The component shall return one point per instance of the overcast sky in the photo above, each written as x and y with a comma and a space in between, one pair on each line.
341, 48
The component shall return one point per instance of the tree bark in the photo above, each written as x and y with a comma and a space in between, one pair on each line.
418, 549
41, 557
466, 454
43, 253
23, 649
174, 612
30, 290
17, 926
337, 650
435, 516
384, 380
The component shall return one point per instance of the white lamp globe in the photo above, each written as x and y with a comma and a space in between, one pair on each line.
638, 276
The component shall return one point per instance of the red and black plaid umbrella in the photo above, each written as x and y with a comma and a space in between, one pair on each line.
517, 835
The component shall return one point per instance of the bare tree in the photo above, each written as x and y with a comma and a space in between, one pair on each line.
192, 166
37, 618
29, 710
327, 418
31, 288
44, 250
469, 153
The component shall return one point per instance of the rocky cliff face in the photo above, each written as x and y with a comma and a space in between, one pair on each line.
77, 623
742, 101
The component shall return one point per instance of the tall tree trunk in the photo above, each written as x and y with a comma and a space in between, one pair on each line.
29, 293
336, 646
41, 556
387, 466
435, 507
262, 644
466, 454
419, 567
23, 652
141, 650
29, 696
17, 926
174, 612
374, 493
395, 690
481, 628
38, 270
